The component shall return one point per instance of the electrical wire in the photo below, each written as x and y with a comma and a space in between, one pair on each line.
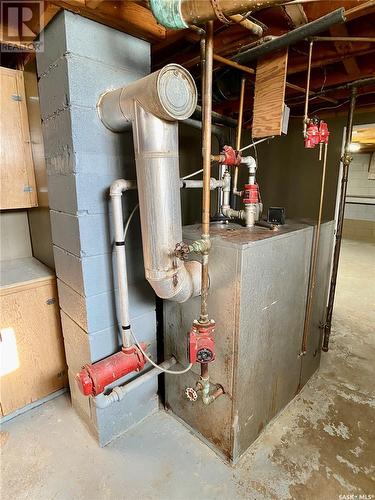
193, 174
129, 220
332, 107
164, 370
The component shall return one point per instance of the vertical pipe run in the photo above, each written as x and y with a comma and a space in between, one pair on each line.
305, 117
239, 132
206, 154
314, 259
347, 159
117, 188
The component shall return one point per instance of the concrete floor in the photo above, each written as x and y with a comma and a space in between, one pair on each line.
320, 447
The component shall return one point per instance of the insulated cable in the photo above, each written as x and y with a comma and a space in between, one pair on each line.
129, 220
193, 174
164, 370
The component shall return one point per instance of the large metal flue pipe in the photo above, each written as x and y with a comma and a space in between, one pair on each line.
153, 105
179, 14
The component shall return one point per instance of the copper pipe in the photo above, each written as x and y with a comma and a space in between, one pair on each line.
346, 160
314, 259
240, 114
342, 39
255, 29
199, 12
239, 131
206, 154
204, 370
251, 71
305, 114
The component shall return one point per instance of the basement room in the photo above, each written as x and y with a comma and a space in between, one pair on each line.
187, 253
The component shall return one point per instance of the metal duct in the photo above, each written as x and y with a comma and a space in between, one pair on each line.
153, 105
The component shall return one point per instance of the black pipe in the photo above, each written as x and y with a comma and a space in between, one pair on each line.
216, 118
221, 133
294, 36
346, 160
357, 83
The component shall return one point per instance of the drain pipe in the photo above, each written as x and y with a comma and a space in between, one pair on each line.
180, 14
346, 160
118, 393
116, 190
152, 106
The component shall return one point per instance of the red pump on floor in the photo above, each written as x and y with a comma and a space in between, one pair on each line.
93, 378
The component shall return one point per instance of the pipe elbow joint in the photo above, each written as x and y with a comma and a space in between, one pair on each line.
179, 285
121, 185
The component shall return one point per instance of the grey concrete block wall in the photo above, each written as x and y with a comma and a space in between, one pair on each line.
81, 60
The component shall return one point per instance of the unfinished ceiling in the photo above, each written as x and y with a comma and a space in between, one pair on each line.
334, 62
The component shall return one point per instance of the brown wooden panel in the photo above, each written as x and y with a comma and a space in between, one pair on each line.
32, 357
269, 94
16, 162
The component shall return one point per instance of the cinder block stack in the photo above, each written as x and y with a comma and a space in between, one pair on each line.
82, 59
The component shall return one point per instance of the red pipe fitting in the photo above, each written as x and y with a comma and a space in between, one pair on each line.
312, 135
93, 378
251, 193
202, 343
230, 156
323, 132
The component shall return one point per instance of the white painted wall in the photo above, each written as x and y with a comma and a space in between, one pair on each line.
360, 199
14, 235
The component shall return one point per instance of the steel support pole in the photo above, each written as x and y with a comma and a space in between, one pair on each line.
346, 160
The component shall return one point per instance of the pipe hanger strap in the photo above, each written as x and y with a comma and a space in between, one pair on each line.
168, 13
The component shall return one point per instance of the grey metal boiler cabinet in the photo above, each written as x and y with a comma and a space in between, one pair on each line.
258, 291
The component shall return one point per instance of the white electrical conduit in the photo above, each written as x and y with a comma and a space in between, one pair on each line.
256, 142
116, 190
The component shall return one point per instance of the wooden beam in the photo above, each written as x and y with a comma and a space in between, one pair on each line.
325, 61
364, 9
296, 14
350, 64
126, 16
93, 4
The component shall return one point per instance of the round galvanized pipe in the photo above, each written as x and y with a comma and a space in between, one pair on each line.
153, 105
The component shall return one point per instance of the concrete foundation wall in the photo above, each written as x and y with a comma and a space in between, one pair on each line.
81, 60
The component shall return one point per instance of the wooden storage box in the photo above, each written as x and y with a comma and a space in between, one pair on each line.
32, 353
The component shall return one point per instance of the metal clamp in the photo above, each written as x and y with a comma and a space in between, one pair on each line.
219, 13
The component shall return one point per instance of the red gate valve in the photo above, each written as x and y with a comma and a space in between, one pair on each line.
323, 132
251, 193
230, 156
312, 134
93, 378
201, 342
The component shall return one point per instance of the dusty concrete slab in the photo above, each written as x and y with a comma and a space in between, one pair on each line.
320, 447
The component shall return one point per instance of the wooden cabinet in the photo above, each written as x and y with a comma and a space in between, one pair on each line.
17, 179
32, 353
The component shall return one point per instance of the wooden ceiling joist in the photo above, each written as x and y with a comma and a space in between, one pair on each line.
129, 17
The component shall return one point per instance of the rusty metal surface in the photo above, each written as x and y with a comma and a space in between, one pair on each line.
258, 290
311, 360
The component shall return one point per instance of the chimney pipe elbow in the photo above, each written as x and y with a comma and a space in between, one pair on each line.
179, 285
169, 94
